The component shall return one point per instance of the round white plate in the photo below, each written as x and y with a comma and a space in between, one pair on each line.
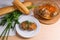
27, 34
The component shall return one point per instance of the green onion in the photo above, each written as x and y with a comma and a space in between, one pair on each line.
9, 19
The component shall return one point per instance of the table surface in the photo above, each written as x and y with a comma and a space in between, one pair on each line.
47, 32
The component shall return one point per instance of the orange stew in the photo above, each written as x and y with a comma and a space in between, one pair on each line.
48, 7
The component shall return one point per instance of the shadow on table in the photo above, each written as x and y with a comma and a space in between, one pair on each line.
21, 37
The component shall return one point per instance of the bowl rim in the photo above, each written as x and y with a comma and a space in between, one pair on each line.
37, 30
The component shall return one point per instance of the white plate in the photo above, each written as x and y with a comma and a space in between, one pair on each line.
27, 34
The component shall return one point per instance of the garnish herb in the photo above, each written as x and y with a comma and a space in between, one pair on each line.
9, 19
